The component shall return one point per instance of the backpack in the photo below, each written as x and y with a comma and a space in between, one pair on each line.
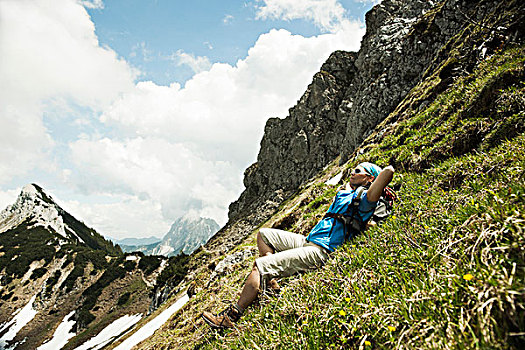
384, 205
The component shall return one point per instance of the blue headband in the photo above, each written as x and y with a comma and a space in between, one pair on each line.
370, 168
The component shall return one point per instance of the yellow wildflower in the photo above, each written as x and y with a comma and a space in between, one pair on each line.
347, 299
468, 277
342, 313
391, 328
367, 343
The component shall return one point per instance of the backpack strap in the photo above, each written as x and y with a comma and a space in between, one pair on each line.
357, 198
355, 224
351, 221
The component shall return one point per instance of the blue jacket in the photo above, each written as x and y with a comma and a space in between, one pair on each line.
329, 232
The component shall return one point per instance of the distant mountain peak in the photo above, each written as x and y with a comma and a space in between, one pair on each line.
34, 203
186, 234
34, 207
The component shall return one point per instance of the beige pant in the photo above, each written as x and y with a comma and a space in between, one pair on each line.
293, 254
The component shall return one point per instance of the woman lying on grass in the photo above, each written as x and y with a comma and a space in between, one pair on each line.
285, 253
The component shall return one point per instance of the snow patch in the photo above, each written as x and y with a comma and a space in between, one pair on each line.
73, 233
335, 180
149, 328
164, 249
61, 336
22, 317
111, 332
132, 258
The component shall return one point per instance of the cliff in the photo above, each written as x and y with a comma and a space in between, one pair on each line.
352, 93
405, 42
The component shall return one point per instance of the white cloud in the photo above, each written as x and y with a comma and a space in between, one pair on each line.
157, 170
141, 48
161, 150
8, 197
187, 147
20, 123
227, 19
197, 64
327, 15
48, 52
92, 4
123, 215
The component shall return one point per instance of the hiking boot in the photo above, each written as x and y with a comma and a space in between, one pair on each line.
224, 319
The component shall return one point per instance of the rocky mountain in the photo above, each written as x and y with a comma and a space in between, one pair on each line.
186, 234
35, 210
354, 91
62, 279
437, 91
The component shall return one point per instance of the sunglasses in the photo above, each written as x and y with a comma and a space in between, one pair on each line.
359, 171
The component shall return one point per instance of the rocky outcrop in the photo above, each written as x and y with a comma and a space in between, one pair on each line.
295, 148
354, 92
402, 41
388, 67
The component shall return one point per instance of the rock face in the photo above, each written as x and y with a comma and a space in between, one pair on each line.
352, 94
185, 235
295, 148
401, 43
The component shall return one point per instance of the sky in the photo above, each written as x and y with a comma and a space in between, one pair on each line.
133, 113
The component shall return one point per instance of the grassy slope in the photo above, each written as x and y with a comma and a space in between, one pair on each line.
445, 271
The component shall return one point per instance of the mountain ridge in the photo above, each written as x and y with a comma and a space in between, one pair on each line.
186, 234
53, 266
132, 241
460, 116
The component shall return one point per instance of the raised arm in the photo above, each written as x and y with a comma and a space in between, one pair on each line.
379, 184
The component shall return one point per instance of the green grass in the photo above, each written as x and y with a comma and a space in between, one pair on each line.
447, 269
407, 281
409, 273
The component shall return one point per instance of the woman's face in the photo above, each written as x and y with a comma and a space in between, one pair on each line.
359, 176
